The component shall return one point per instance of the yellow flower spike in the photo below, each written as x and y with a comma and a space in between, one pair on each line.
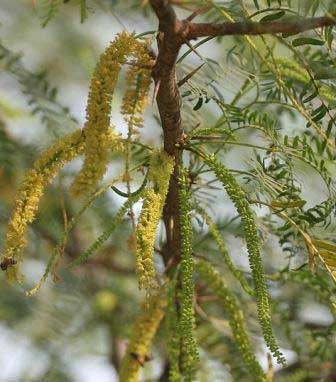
189, 358
97, 127
31, 191
173, 333
145, 238
144, 330
138, 80
292, 69
160, 169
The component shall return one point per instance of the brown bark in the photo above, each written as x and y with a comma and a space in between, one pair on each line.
168, 100
195, 30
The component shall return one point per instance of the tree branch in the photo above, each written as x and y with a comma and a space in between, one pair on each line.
168, 100
165, 13
195, 30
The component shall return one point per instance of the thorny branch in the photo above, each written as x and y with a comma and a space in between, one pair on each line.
173, 33
195, 30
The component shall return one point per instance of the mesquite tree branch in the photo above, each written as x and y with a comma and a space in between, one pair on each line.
165, 13
169, 104
196, 30
173, 33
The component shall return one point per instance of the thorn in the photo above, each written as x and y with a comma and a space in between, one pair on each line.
156, 90
198, 12
188, 76
193, 49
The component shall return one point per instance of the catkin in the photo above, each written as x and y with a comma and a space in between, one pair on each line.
173, 334
142, 335
145, 238
161, 167
31, 191
138, 80
236, 318
98, 132
293, 70
238, 197
188, 355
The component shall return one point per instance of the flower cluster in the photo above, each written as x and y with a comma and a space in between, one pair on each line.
182, 348
238, 197
161, 167
32, 188
189, 355
97, 130
236, 318
145, 237
138, 80
173, 335
142, 335
291, 69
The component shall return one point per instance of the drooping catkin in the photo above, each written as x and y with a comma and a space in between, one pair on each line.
134, 102
144, 330
185, 286
223, 250
238, 197
145, 238
31, 191
161, 166
160, 169
97, 130
236, 318
173, 333
138, 80
293, 70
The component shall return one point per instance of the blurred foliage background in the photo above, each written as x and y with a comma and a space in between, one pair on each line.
76, 329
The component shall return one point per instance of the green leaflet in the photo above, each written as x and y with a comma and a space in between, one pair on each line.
236, 318
237, 196
106, 234
307, 41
